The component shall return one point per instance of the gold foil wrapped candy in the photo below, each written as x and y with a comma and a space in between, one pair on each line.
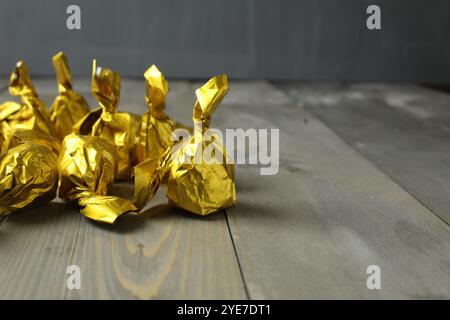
156, 127
31, 113
2, 140
197, 172
28, 176
119, 128
69, 106
13, 138
87, 167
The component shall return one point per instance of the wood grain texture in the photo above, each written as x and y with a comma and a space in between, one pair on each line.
308, 232
164, 254
312, 230
403, 129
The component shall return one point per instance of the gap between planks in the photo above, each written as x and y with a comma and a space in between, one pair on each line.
2, 219
413, 119
241, 271
394, 181
195, 257
311, 231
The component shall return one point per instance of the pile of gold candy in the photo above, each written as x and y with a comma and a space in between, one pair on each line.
78, 154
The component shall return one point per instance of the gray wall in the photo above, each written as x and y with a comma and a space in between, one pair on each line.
278, 39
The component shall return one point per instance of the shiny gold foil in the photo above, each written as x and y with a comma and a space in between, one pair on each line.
87, 167
196, 183
28, 176
15, 137
119, 128
69, 106
2, 140
31, 113
156, 126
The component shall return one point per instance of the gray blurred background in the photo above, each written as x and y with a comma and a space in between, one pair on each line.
253, 39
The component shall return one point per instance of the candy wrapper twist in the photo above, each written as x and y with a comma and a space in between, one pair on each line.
31, 113
197, 171
119, 128
156, 127
69, 106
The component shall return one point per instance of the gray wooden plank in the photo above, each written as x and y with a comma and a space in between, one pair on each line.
163, 254
312, 230
36, 249
403, 129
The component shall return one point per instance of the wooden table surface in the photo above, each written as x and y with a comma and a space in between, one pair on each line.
364, 180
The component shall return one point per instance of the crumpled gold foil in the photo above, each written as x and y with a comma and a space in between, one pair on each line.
156, 127
87, 167
2, 141
15, 137
196, 181
28, 176
31, 113
119, 128
69, 106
